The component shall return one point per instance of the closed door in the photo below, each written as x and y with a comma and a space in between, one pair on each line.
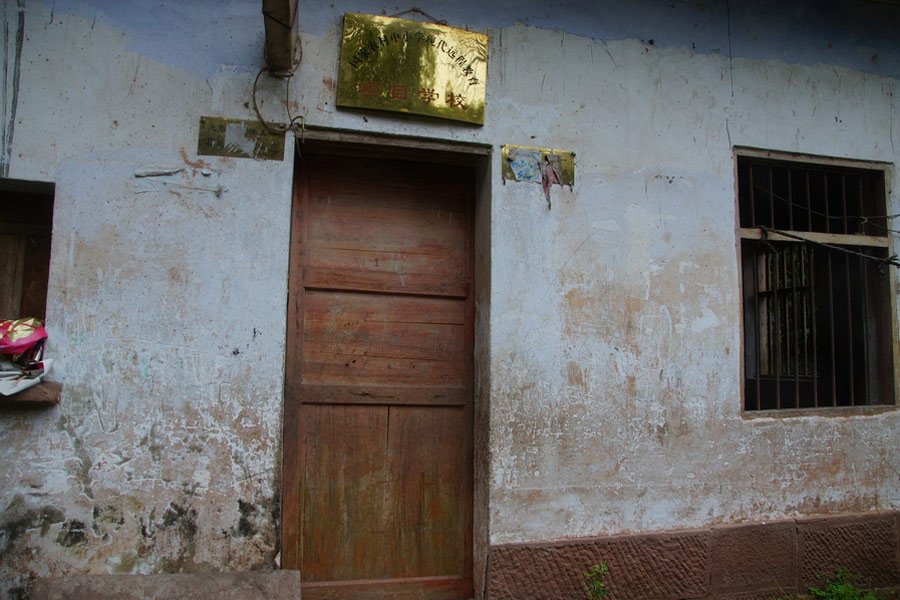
377, 437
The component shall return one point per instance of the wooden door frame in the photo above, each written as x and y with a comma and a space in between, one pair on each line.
479, 158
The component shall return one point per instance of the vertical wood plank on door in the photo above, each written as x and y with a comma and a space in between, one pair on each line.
345, 492
294, 456
430, 491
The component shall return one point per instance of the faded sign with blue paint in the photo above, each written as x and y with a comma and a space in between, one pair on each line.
526, 163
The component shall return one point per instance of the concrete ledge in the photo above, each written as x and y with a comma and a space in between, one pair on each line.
252, 585
46, 393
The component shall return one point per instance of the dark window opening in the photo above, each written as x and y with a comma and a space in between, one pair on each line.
26, 221
816, 294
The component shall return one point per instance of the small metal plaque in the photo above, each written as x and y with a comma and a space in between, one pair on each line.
410, 66
525, 163
237, 138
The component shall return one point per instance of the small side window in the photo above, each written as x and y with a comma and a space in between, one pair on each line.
26, 222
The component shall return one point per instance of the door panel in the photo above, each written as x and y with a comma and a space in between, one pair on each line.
344, 492
427, 493
378, 394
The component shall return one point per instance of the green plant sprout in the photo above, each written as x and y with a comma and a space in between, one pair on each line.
838, 586
595, 579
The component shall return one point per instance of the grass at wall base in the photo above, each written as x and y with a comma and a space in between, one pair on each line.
837, 586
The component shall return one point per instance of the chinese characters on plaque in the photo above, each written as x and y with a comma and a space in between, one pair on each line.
410, 66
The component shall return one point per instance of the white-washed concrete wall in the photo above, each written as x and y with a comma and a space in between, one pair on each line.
616, 370
166, 307
615, 318
613, 365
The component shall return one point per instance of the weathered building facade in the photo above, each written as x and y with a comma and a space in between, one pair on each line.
615, 338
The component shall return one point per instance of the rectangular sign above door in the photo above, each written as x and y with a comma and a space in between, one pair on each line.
409, 66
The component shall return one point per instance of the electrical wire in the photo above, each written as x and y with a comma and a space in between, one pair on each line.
295, 124
416, 9
892, 260
864, 220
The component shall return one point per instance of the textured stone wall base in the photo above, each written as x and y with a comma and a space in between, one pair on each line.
756, 561
254, 585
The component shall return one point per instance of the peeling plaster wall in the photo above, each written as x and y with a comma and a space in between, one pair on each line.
165, 309
616, 372
609, 334
615, 344
616, 398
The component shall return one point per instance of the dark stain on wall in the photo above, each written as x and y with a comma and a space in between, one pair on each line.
18, 518
245, 526
184, 519
17, 593
107, 514
71, 534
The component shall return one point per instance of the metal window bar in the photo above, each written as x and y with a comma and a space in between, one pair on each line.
752, 197
809, 226
864, 269
777, 330
860, 208
812, 320
771, 199
812, 294
849, 321
795, 301
844, 200
790, 197
831, 330
756, 339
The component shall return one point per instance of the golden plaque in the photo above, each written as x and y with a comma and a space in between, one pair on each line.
243, 139
413, 67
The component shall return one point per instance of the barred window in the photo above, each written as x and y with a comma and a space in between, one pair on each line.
816, 276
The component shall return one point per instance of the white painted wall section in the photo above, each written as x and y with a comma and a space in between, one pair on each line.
614, 350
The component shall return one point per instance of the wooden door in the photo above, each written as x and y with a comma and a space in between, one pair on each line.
378, 395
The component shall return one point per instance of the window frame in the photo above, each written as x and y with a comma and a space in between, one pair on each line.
32, 268
46, 393
742, 234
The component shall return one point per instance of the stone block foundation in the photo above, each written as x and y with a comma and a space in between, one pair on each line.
752, 561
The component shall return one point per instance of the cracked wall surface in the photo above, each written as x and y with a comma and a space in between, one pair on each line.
609, 327
165, 312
